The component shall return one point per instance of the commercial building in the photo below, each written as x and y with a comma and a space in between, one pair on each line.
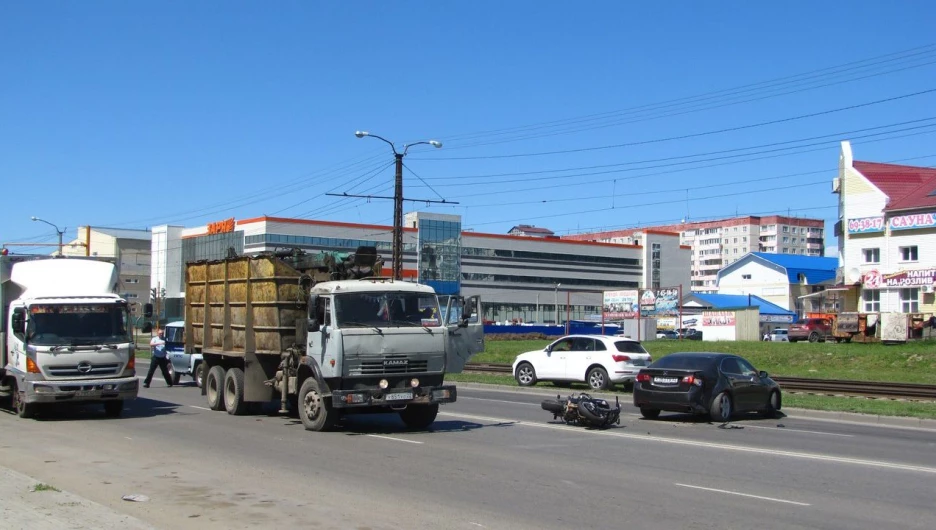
519, 278
886, 235
719, 243
129, 248
790, 282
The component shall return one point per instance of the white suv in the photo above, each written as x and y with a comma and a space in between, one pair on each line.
598, 360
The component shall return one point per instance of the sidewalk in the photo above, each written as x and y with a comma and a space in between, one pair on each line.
23, 508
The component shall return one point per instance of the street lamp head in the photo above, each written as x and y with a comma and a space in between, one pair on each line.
435, 143
34, 218
361, 134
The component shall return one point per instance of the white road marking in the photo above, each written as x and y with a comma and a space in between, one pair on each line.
710, 445
199, 408
477, 524
743, 494
394, 439
798, 430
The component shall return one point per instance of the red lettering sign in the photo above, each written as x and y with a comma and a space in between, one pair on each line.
221, 227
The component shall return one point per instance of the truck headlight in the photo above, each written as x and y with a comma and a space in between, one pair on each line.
414, 383
384, 384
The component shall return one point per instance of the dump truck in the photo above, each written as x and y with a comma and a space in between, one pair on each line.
65, 336
324, 335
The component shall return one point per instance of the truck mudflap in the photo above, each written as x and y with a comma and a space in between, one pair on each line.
78, 390
393, 397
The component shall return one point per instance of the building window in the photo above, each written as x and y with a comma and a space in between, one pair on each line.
131, 295
744, 250
786, 229
908, 253
744, 229
872, 255
910, 300
786, 239
872, 300
745, 276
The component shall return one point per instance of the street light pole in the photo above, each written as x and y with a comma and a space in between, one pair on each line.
558, 285
398, 199
59, 232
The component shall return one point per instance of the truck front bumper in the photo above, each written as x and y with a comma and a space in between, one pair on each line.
81, 390
394, 397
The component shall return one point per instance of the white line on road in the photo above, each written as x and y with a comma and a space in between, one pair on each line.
199, 408
798, 430
699, 443
392, 438
743, 494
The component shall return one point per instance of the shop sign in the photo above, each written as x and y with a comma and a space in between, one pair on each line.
907, 222
865, 225
221, 227
913, 278
618, 305
718, 318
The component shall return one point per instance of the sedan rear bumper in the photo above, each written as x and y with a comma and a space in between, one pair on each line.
691, 401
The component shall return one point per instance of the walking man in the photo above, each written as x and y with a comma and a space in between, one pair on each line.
158, 347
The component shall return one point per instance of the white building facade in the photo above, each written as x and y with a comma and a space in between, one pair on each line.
887, 234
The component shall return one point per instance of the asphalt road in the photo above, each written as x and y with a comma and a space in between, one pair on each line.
494, 459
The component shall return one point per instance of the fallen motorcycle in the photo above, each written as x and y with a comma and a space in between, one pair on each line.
584, 410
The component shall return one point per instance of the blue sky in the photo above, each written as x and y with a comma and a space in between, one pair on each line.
134, 114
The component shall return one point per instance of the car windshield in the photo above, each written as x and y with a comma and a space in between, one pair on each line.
390, 309
629, 346
780, 332
683, 362
175, 334
75, 324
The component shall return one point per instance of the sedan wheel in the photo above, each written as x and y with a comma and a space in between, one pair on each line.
526, 375
721, 408
773, 405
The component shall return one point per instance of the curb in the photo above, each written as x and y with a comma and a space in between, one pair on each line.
812, 414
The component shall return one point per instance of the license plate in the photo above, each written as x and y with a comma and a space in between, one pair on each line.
666, 380
399, 395
85, 393
639, 362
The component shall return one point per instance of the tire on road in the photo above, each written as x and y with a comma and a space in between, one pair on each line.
113, 409
198, 375
526, 374
174, 375
773, 405
721, 408
315, 411
813, 337
234, 392
650, 414
419, 416
22, 409
214, 388
598, 379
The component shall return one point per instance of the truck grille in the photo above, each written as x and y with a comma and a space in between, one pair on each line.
83, 369
389, 367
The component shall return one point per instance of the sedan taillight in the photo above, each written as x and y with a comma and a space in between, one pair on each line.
643, 378
692, 380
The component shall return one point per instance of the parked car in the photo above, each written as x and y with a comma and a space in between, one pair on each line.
690, 334
666, 334
181, 363
598, 360
715, 384
811, 329
779, 335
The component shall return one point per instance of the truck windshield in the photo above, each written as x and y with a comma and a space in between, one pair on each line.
57, 324
393, 309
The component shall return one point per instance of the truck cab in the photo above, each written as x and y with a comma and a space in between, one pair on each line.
181, 362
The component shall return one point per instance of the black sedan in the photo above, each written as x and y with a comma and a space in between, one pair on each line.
715, 384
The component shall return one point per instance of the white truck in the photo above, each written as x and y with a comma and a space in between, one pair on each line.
65, 336
269, 329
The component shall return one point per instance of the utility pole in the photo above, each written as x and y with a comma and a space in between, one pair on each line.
397, 198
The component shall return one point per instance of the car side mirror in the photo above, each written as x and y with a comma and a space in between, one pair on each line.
762, 374
312, 325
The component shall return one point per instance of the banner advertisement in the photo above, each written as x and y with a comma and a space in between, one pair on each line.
873, 279
718, 318
619, 305
865, 225
907, 222
659, 303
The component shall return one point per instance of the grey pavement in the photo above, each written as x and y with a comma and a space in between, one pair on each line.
22, 506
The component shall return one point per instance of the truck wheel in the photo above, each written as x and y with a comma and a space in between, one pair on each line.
214, 388
315, 411
23, 409
234, 392
198, 375
113, 409
813, 337
419, 416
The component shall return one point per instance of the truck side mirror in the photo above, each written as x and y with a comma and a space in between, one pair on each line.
312, 325
18, 323
147, 310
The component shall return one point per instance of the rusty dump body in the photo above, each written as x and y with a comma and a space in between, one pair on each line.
243, 304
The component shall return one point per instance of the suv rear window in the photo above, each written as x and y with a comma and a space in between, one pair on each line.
629, 346
683, 362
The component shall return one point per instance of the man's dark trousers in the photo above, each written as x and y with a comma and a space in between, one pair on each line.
163, 364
